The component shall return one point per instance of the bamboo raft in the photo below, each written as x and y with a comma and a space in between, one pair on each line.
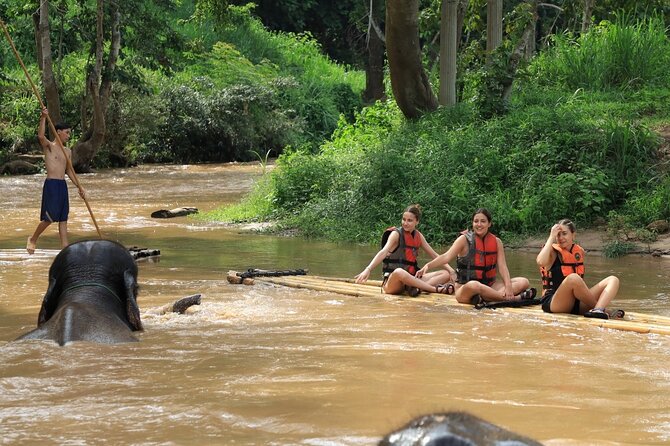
632, 321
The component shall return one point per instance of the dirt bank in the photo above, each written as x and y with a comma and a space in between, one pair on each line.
596, 240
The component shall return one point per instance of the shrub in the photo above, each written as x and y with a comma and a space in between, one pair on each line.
531, 167
610, 55
132, 119
225, 125
649, 203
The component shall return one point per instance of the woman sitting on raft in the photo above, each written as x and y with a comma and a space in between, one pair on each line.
561, 263
480, 255
399, 257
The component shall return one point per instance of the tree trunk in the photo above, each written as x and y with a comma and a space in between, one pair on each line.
531, 43
38, 39
98, 91
520, 51
448, 48
586, 17
48, 80
411, 88
462, 10
374, 64
493, 24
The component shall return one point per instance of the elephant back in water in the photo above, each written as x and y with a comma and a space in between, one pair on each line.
91, 296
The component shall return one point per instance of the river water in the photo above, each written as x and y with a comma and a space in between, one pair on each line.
268, 365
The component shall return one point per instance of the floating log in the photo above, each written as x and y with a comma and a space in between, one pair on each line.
178, 212
632, 321
140, 253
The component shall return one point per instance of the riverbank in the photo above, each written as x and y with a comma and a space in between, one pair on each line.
595, 240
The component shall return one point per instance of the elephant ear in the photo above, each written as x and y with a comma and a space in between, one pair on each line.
132, 310
49, 303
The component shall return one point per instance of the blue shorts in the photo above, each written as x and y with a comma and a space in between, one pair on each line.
55, 200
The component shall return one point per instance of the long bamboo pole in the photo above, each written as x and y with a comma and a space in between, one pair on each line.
73, 177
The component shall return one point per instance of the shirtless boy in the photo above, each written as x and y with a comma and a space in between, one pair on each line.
55, 200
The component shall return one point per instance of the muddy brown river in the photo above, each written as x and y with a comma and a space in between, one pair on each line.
268, 365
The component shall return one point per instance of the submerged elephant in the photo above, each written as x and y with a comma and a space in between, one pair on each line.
92, 296
454, 429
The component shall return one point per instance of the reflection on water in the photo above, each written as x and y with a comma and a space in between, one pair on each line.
272, 365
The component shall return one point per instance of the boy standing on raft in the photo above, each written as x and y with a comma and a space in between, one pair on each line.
55, 200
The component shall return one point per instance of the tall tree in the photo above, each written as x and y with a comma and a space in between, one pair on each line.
411, 88
448, 48
586, 16
45, 61
494, 19
98, 89
374, 62
94, 28
462, 10
98, 83
529, 21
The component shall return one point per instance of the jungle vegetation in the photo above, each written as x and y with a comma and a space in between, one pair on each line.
537, 111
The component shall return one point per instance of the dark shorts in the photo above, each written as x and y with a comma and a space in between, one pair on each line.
546, 303
55, 200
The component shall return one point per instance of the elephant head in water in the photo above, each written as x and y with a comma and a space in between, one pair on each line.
92, 296
455, 429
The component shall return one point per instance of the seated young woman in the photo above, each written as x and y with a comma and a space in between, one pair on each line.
400, 247
564, 290
480, 258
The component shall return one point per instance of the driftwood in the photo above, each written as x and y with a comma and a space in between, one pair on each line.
659, 226
139, 253
178, 212
19, 167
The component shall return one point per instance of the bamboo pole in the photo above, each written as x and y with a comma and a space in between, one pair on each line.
73, 177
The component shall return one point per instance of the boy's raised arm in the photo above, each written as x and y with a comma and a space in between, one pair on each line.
44, 142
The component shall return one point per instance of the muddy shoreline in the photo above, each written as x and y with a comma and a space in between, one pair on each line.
595, 240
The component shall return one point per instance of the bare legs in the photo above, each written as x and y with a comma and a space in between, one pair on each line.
399, 278
62, 233
493, 293
574, 288
32, 240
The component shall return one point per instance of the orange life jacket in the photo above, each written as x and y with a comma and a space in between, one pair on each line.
567, 261
481, 261
405, 254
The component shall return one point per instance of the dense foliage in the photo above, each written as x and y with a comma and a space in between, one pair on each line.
561, 151
580, 137
225, 94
